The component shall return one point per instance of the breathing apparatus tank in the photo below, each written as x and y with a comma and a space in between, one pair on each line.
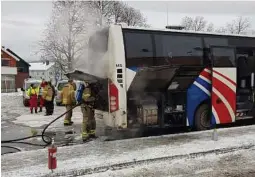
79, 92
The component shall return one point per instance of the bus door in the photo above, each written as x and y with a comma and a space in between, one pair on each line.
224, 81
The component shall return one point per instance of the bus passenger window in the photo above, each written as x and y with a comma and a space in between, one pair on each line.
178, 50
223, 57
138, 49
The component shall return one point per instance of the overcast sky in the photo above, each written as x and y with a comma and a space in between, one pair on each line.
23, 22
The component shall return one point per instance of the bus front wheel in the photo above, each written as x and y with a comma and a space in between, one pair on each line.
203, 118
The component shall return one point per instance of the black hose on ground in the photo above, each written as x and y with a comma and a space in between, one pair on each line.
42, 135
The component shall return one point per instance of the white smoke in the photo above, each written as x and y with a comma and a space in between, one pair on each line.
92, 58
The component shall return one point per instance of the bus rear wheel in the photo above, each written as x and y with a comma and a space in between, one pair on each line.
203, 118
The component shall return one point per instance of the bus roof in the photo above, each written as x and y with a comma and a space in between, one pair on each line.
188, 32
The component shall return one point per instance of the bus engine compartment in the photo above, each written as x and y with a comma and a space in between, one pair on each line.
157, 95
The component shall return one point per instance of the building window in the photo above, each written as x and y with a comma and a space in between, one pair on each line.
8, 83
178, 50
42, 73
50, 73
139, 50
5, 62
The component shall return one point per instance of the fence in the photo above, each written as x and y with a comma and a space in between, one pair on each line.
7, 84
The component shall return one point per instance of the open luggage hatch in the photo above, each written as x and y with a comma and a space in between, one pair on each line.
159, 79
79, 75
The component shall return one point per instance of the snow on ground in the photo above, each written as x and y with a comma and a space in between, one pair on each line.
38, 120
12, 94
239, 163
98, 154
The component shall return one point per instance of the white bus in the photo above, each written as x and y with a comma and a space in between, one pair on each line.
165, 78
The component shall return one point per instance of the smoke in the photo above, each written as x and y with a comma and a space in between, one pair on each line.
93, 57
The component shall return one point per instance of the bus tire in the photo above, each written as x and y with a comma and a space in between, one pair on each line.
202, 118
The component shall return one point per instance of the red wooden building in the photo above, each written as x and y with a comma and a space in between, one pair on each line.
13, 70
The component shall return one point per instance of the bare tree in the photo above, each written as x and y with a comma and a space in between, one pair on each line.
210, 27
197, 24
221, 30
117, 11
72, 22
187, 23
65, 35
239, 25
104, 9
132, 17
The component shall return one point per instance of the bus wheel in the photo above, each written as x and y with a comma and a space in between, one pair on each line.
203, 118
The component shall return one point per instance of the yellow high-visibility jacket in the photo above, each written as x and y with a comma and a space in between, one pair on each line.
47, 93
68, 95
32, 91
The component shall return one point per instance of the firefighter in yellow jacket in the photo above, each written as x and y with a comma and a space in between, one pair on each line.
68, 99
89, 122
47, 96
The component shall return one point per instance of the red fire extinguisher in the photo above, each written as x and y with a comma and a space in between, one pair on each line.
52, 159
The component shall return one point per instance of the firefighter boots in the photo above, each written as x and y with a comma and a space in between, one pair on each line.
68, 123
31, 111
92, 134
36, 111
85, 136
40, 109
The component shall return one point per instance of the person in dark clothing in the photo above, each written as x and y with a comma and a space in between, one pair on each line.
48, 100
51, 103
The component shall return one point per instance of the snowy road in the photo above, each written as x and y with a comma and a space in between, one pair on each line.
16, 121
179, 155
183, 154
233, 164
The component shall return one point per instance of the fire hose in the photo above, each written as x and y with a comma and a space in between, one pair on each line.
43, 136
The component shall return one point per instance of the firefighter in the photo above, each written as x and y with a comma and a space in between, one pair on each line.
87, 108
42, 85
51, 104
33, 94
68, 99
47, 96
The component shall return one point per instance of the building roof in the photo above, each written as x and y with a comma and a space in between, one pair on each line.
9, 53
9, 50
40, 66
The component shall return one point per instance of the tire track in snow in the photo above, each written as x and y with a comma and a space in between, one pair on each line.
124, 165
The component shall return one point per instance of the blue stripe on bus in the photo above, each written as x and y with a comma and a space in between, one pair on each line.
204, 84
134, 68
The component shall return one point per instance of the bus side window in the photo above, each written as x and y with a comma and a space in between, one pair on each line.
178, 49
138, 48
223, 57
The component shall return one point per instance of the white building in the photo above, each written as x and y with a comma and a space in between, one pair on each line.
43, 70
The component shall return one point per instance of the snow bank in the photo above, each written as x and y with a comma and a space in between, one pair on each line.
96, 154
12, 94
